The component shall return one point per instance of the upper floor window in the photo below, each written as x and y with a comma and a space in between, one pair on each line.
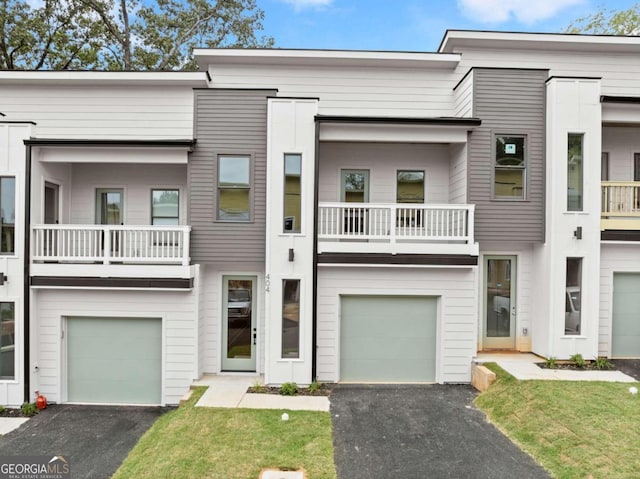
8, 215
165, 207
292, 193
575, 181
234, 188
410, 186
510, 167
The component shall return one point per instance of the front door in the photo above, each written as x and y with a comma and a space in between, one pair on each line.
51, 216
499, 302
239, 325
109, 206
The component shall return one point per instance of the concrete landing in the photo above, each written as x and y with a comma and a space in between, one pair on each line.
231, 392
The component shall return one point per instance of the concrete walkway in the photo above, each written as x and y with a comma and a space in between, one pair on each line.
8, 424
231, 392
522, 366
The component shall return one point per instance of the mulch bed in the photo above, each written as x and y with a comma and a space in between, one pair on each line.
573, 367
324, 390
9, 412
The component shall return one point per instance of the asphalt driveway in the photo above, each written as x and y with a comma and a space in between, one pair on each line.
426, 431
93, 439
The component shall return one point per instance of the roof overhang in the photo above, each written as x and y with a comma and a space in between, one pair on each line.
66, 77
359, 58
620, 110
455, 40
112, 151
395, 130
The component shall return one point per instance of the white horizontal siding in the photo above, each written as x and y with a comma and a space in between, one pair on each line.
619, 71
137, 182
383, 160
142, 112
350, 90
177, 309
613, 258
463, 97
457, 326
458, 174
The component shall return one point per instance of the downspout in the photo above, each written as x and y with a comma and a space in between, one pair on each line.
314, 338
27, 289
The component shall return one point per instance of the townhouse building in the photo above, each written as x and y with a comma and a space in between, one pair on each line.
346, 216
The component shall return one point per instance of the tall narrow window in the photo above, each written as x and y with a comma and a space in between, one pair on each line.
234, 188
7, 341
510, 167
292, 192
575, 181
604, 167
165, 207
573, 297
636, 167
8, 213
290, 318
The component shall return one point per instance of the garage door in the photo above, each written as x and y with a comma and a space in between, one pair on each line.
388, 338
625, 339
114, 360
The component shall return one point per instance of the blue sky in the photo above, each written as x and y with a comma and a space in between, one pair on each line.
412, 25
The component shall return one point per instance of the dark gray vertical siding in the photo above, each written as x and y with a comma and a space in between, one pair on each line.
508, 101
227, 122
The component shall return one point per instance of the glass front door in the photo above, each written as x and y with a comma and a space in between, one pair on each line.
499, 302
239, 326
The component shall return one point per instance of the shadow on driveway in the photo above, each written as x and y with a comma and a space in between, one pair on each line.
93, 439
421, 431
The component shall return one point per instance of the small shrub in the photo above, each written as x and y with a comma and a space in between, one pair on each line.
258, 387
551, 362
314, 386
289, 389
2, 409
578, 360
29, 409
602, 363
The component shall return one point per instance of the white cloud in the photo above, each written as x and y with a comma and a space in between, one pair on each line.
524, 11
304, 4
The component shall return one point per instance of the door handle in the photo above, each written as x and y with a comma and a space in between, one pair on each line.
255, 335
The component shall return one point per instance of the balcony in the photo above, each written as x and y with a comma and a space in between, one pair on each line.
620, 205
396, 228
110, 250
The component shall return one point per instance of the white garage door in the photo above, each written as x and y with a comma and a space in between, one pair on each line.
114, 360
388, 339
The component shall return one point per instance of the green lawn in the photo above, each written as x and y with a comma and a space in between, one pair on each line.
574, 429
194, 442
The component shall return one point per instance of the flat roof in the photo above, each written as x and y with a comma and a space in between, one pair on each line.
545, 41
76, 77
277, 56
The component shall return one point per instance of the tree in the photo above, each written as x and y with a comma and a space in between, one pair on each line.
609, 22
123, 34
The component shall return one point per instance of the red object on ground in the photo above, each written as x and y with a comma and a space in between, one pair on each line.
41, 401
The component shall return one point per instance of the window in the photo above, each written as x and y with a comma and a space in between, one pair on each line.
7, 341
234, 188
604, 167
165, 207
636, 167
410, 186
292, 192
354, 187
574, 172
8, 215
573, 297
510, 168
290, 318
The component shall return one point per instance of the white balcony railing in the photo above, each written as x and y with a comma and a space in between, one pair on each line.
394, 224
109, 244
